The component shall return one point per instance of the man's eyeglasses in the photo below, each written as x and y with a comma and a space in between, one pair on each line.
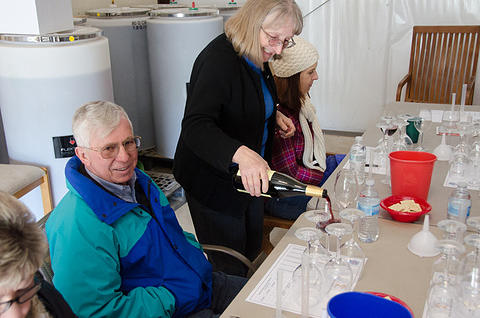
26, 295
273, 41
111, 150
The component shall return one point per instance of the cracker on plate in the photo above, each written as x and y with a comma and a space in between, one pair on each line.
406, 206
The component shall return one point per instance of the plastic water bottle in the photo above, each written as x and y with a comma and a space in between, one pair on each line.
459, 199
358, 158
369, 202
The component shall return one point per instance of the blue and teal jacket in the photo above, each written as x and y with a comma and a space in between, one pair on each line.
112, 258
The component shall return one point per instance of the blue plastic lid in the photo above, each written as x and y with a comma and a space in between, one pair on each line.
363, 305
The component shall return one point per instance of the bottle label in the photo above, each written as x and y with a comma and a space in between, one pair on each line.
370, 210
453, 209
357, 157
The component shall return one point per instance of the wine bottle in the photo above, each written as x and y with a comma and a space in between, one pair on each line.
281, 186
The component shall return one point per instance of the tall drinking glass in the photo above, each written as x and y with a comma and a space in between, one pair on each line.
422, 124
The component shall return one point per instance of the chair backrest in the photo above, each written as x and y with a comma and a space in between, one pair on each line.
46, 268
442, 59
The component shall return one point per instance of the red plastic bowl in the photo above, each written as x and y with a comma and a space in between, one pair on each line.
406, 217
393, 298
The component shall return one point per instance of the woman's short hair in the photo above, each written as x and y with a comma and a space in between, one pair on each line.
243, 29
22, 243
96, 119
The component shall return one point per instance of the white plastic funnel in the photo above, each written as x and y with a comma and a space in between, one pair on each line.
423, 243
443, 151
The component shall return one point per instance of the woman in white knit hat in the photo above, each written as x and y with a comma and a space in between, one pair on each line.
302, 156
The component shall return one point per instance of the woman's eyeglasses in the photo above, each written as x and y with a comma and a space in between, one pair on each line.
25, 296
273, 41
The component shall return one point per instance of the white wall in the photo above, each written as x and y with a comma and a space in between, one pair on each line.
365, 51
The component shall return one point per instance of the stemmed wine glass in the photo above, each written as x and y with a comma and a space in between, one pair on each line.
321, 219
383, 126
422, 124
475, 222
345, 188
338, 273
403, 142
474, 157
452, 230
450, 118
468, 276
403, 130
350, 248
308, 271
443, 296
463, 130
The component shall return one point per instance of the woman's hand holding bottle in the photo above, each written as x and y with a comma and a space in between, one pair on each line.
253, 169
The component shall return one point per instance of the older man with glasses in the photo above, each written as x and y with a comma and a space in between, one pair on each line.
116, 246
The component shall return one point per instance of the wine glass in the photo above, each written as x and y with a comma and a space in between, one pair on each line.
475, 222
384, 128
474, 157
350, 248
338, 273
321, 219
463, 130
443, 296
450, 118
452, 230
403, 131
468, 276
403, 142
309, 272
422, 124
345, 188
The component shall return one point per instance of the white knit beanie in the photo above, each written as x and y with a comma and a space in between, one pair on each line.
295, 59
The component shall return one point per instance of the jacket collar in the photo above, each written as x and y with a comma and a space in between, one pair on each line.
107, 207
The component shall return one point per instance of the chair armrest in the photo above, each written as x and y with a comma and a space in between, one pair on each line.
470, 91
402, 83
231, 252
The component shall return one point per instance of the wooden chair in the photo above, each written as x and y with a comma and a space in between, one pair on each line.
442, 59
18, 180
269, 223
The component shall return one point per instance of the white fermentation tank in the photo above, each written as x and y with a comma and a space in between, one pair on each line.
225, 10
175, 38
125, 29
43, 80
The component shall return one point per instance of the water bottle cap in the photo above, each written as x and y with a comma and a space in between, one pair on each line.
357, 138
462, 184
370, 182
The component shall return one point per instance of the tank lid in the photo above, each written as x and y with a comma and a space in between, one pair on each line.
160, 6
79, 20
115, 12
77, 34
183, 13
222, 8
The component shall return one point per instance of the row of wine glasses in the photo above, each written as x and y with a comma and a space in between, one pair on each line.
455, 284
338, 267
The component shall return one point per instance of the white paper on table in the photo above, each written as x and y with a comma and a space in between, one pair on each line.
438, 114
452, 183
265, 292
375, 169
